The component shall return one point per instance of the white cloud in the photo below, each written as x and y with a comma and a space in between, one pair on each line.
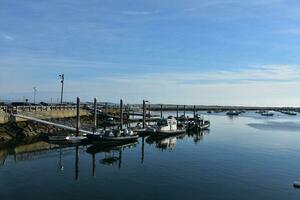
7, 37
132, 12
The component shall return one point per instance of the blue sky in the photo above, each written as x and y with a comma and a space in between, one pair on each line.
212, 52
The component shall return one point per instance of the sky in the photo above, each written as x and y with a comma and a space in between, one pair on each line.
203, 52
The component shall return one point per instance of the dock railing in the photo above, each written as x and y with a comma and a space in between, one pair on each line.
42, 108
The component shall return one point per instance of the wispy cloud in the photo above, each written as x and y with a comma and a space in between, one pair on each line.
135, 12
7, 37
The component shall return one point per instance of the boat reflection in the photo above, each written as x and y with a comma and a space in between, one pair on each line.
112, 153
197, 135
165, 142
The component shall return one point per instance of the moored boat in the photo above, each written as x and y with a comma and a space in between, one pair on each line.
267, 114
233, 113
115, 135
198, 123
57, 138
166, 127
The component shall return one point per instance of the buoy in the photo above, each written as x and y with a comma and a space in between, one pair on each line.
297, 184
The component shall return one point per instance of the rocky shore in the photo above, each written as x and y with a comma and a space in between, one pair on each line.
21, 130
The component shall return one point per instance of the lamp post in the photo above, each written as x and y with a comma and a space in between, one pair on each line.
34, 94
62, 79
144, 113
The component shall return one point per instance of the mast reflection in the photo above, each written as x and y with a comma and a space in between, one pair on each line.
112, 153
197, 135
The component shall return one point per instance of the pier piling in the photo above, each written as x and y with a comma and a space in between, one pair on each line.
144, 113
95, 115
78, 116
121, 114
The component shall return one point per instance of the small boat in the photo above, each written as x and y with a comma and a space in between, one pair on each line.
289, 112
232, 113
267, 114
198, 123
57, 138
115, 135
75, 139
296, 184
166, 127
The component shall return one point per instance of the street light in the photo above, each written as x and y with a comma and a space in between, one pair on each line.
34, 94
62, 78
144, 112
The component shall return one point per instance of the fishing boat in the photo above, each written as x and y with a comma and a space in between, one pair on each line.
197, 123
113, 135
165, 127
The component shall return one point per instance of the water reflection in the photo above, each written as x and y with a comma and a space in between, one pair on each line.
198, 135
112, 153
164, 142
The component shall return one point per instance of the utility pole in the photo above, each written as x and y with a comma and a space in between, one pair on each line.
62, 79
34, 94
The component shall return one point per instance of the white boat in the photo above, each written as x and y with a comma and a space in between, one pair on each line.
166, 127
267, 114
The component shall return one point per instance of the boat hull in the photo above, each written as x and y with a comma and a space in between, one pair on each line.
111, 139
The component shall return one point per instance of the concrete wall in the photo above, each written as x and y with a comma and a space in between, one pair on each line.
50, 114
4, 118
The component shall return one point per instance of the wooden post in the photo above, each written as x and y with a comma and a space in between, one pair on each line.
95, 115
121, 114
177, 112
77, 116
144, 113
149, 111
194, 111
184, 111
161, 111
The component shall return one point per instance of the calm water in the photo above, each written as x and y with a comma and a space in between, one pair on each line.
247, 157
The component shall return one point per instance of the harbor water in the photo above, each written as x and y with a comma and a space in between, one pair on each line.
243, 157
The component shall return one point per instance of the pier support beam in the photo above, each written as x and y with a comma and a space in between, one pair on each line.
184, 111
121, 114
161, 111
177, 112
77, 116
95, 115
144, 113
